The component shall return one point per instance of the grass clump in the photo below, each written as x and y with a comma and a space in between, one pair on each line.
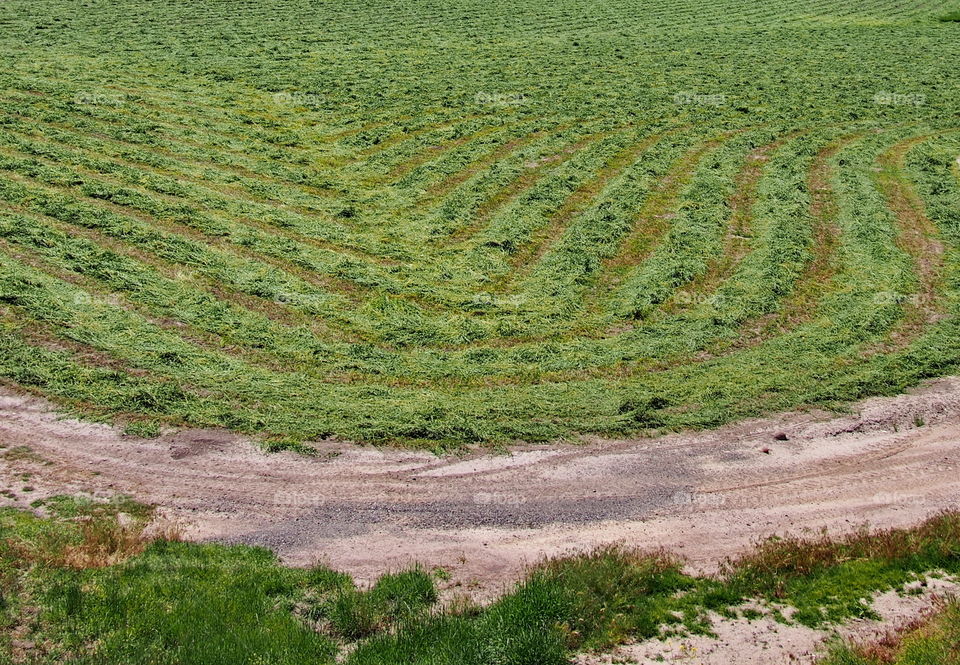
186, 604
395, 599
85, 533
952, 17
80, 507
146, 429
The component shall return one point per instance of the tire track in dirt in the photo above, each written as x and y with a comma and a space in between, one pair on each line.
484, 517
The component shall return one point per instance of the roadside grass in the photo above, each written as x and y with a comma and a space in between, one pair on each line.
827, 579
140, 596
157, 600
932, 640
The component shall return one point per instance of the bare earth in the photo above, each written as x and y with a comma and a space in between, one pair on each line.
705, 495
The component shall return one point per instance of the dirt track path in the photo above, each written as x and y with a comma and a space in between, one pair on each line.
705, 495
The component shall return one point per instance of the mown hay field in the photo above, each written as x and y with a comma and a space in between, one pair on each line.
451, 222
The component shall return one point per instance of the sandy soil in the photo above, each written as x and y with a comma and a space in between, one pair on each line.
765, 641
706, 495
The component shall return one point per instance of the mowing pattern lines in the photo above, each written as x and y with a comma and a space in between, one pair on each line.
454, 222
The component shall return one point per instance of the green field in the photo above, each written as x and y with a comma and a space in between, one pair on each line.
450, 222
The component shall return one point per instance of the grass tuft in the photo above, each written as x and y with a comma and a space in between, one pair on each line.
395, 599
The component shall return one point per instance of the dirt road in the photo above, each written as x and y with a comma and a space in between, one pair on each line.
363, 510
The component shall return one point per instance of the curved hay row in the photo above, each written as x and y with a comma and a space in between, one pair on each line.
169, 309
207, 386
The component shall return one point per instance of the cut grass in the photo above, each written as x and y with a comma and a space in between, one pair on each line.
393, 241
164, 601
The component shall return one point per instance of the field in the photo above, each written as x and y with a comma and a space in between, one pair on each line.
649, 309
442, 223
